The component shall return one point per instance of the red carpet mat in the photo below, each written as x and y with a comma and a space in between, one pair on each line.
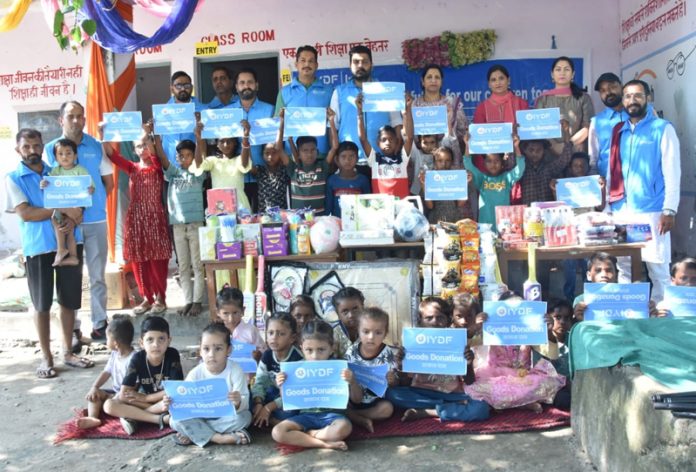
110, 428
506, 421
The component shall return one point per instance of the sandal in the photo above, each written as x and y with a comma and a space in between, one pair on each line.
45, 372
158, 308
162, 424
181, 440
143, 308
78, 362
243, 437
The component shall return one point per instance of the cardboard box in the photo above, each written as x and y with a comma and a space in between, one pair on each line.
374, 211
228, 251
222, 201
116, 288
274, 237
250, 236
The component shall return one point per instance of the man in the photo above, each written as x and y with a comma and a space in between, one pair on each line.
25, 198
645, 173
306, 90
247, 88
181, 88
224, 90
609, 87
343, 103
91, 156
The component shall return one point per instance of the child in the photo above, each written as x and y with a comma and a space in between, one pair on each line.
602, 270
348, 181
281, 334
303, 310
307, 174
147, 245
119, 337
228, 169
65, 151
216, 364
438, 396
684, 272
390, 164
319, 427
272, 179
370, 350
186, 215
230, 308
466, 313
348, 302
445, 210
141, 395
494, 187
508, 379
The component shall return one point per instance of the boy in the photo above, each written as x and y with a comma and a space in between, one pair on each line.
186, 215
140, 398
559, 320
348, 181
602, 270
684, 272
119, 337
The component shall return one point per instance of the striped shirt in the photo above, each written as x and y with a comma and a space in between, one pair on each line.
308, 185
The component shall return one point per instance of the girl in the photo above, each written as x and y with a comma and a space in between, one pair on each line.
302, 309
389, 165
347, 182
216, 364
508, 380
281, 334
445, 210
348, 302
320, 428
272, 179
438, 396
494, 187
466, 313
370, 350
147, 245
226, 170
230, 308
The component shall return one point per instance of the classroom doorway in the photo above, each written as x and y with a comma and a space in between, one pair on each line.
265, 65
152, 87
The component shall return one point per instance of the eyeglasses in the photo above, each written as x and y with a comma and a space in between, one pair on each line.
639, 96
183, 86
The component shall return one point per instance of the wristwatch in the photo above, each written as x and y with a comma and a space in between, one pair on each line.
668, 212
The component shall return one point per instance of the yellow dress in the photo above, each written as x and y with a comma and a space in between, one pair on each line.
225, 173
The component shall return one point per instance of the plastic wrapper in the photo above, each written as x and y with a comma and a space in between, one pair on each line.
510, 221
533, 225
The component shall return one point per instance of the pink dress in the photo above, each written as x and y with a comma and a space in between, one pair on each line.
499, 384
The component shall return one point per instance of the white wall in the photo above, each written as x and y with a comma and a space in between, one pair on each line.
588, 29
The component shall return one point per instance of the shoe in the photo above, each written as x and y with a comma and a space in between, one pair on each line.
99, 334
77, 342
129, 426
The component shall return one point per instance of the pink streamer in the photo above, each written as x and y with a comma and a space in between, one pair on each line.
158, 7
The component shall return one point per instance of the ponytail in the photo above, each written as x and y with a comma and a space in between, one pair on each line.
576, 90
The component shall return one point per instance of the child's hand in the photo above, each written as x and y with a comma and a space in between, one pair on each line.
330, 115
90, 190
602, 183
256, 354
235, 398
198, 130
347, 375
469, 177
469, 356
281, 378
359, 103
95, 394
166, 401
467, 136
281, 114
565, 130
247, 127
131, 396
149, 126
421, 177
579, 311
522, 372
44, 183
552, 184
408, 100
515, 140
262, 415
480, 319
392, 378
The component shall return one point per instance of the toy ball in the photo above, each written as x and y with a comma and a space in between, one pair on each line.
410, 224
324, 234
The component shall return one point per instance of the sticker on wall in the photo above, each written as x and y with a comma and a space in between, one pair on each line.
5, 132
285, 77
208, 48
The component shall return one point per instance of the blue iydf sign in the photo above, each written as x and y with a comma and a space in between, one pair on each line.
174, 118
198, 399
314, 384
490, 138
514, 323
123, 126
434, 350
222, 123
68, 191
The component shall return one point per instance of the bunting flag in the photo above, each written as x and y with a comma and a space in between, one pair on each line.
13, 17
159, 8
116, 35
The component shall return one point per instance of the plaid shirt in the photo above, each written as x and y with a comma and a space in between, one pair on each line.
536, 179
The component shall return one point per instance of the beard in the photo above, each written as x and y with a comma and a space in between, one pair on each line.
32, 159
611, 100
183, 96
247, 94
361, 75
635, 110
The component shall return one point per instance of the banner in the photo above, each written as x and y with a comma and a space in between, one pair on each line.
222, 123
616, 301
430, 120
383, 96
579, 192
314, 384
264, 131
373, 378
490, 138
681, 301
446, 185
434, 350
198, 399
242, 355
305, 121
67, 191
123, 126
174, 118
515, 323
543, 123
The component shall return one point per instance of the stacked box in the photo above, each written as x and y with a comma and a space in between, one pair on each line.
228, 251
222, 201
274, 238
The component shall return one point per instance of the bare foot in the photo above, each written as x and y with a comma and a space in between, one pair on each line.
241, 438
185, 310
412, 414
535, 407
196, 309
60, 255
70, 261
364, 422
336, 445
88, 422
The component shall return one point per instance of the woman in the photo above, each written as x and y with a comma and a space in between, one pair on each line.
575, 105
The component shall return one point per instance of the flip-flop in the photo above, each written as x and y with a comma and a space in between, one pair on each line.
44, 372
181, 440
158, 308
162, 424
80, 363
245, 435
141, 309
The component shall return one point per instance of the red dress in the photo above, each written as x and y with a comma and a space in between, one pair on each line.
146, 230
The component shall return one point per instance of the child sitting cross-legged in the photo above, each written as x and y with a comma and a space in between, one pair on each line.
601, 269
216, 364
348, 302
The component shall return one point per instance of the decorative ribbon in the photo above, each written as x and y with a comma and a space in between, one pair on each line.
15, 15
159, 7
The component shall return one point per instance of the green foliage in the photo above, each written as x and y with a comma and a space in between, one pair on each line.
77, 34
449, 49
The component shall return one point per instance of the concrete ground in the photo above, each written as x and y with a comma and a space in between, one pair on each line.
32, 409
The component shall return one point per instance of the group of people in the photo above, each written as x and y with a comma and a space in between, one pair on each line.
633, 150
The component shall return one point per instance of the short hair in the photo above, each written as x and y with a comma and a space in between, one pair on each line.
154, 323
346, 293
387, 129
229, 296
64, 105
318, 330
602, 257
246, 70
466, 301
221, 68
509, 295
304, 48
580, 155
217, 328
121, 330
441, 304
178, 74
560, 303
302, 300
347, 146
302, 140
186, 144
684, 264
642, 83
444, 150
376, 314
28, 133
499, 68
283, 317
64, 142
359, 49
544, 143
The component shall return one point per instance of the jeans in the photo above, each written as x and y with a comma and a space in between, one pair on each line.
454, 406
95, 254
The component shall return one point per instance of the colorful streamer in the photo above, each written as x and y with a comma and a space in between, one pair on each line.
15, 15
114, 34
159, 7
